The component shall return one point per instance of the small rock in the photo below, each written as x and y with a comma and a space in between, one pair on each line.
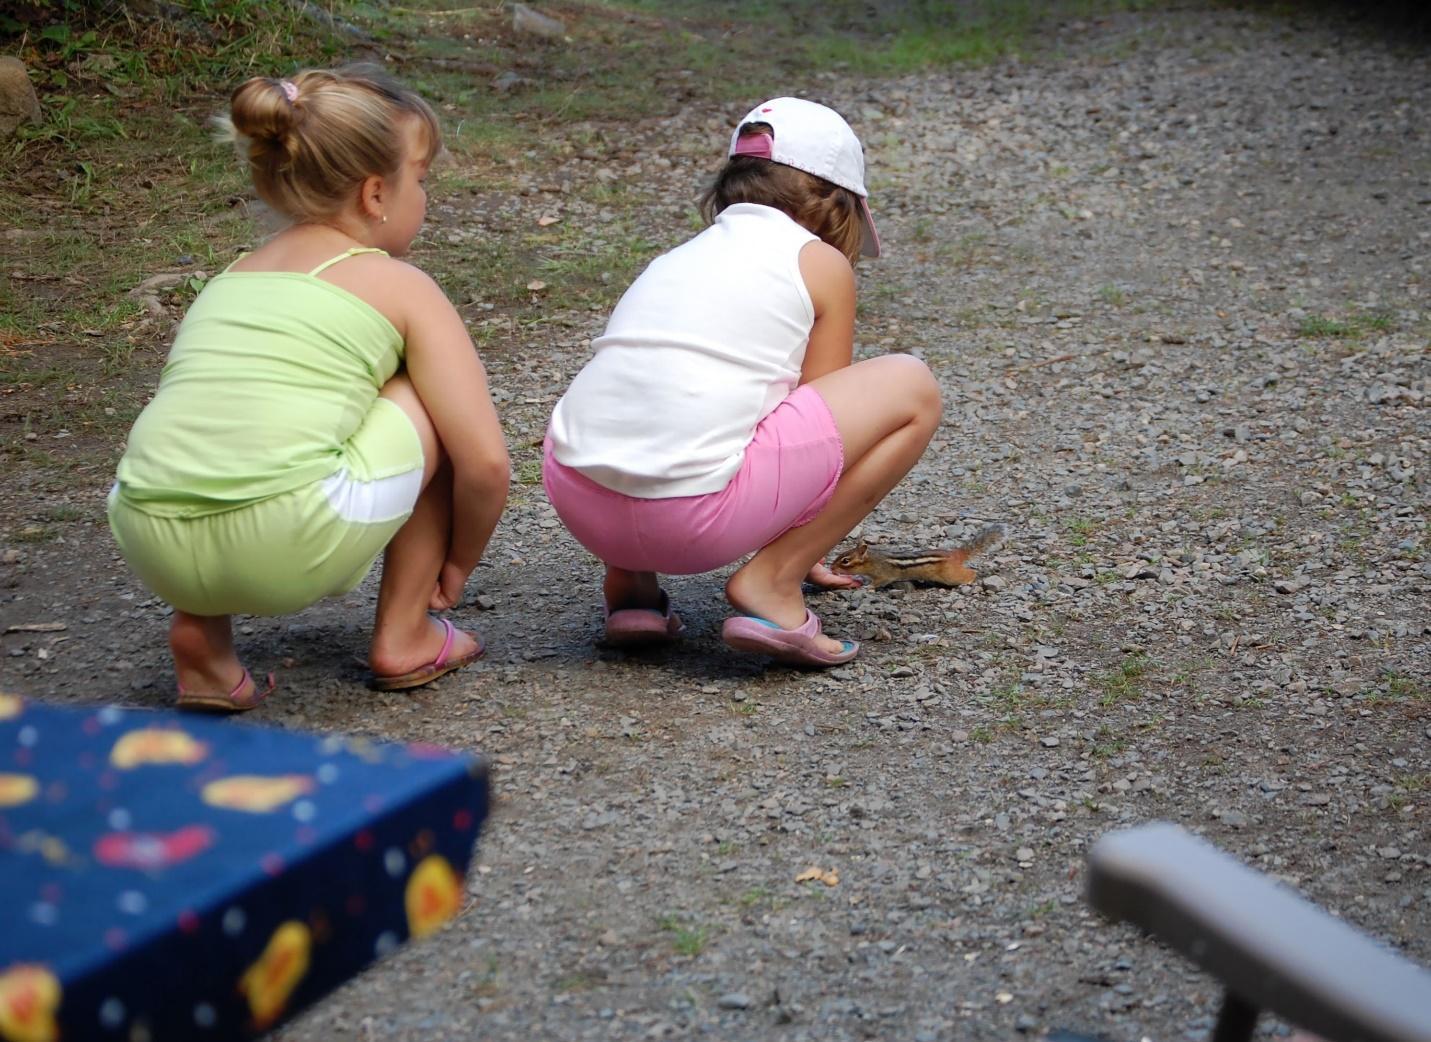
1050, 742
734, 1000
508, 81
526, 20
18, 103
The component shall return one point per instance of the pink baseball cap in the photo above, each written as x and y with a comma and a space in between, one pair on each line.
813, 138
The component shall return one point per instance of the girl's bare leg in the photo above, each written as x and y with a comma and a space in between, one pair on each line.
405, 636
886, 409
625, 589
203, 650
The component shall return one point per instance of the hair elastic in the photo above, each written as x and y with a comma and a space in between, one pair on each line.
290, 90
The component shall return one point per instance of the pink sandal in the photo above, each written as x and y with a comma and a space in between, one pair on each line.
245, 696
438, 667
633, 627
797, 647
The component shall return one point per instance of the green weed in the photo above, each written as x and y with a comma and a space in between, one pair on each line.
1398, 689
685, 940
1326, 327
752, 897
1079, 528
1123, 684
1107, 743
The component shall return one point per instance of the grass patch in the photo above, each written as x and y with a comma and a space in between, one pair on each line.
1112, 295
752, 897
879, 39
36, 534
1125, 683
1108, 743
1399, 690
1079, 529
574, 983
1326, 327
687, 940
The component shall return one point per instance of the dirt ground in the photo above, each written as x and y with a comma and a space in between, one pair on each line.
1172, 277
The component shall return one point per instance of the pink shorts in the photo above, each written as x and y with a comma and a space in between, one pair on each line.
788, 475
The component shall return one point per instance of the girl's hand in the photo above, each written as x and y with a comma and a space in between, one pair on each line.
825, 579
448, 591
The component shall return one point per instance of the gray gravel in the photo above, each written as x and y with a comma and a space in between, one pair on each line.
1174, 283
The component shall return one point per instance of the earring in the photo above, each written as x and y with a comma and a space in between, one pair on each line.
385, 218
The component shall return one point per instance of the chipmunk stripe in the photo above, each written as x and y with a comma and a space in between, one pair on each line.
915, 562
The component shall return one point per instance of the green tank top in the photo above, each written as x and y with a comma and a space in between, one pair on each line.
270, 374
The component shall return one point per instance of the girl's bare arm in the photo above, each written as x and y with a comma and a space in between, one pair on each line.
831, 284
449, 378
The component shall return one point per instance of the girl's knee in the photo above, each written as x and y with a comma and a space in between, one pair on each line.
919, 387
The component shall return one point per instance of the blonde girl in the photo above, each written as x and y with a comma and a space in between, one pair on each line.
322, 404
722, 412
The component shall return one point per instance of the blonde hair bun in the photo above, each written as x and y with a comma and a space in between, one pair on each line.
311, 139
261, 112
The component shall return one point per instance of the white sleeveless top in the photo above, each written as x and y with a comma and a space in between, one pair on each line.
706, 342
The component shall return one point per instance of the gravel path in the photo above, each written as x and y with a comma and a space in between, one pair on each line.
1174, 283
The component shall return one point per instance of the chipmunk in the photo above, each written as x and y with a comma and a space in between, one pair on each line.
943, 567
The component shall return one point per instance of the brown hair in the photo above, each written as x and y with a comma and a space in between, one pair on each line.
826, 209
309, 154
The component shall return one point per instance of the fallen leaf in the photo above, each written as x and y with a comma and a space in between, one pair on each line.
37, 627
536, 285
827, 876
546, 220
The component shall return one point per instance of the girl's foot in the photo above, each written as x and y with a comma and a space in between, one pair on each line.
753, 593
822, 578
203, 650
394, 654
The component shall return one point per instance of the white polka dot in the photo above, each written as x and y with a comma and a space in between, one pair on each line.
111, 1013
44, 913
120, 819
205, 1016
132, 902
110, 715
386, 944
304, 810
140, 1033
28, 736
394, 862
234, 921
327, 773
330, 746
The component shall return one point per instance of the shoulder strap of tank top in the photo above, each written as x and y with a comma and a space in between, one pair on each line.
344, 256
241, 256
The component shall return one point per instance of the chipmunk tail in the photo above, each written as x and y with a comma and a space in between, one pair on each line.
985, 539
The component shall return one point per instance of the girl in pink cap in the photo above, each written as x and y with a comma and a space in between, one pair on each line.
722, 412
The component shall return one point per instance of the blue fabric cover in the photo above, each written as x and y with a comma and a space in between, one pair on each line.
166, 876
